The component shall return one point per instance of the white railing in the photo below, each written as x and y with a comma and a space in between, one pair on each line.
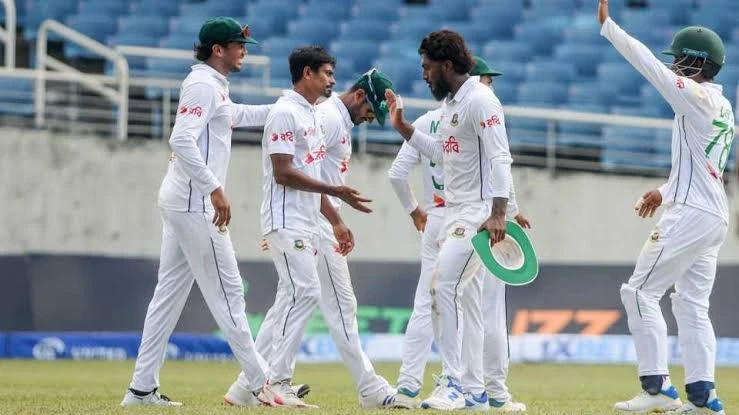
43, 60
7, 34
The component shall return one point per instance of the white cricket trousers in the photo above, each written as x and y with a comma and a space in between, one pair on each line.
339, 308
418, 334
194, 250
681, 251
456, 288
295, 257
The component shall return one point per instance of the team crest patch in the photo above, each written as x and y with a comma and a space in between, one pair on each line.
458, 233
299, 244
654, 237
455, 120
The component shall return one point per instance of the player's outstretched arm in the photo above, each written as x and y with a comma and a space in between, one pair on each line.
250, 115
681, 93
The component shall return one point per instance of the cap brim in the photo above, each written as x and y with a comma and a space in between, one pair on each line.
522, 274
380, 117
249, 40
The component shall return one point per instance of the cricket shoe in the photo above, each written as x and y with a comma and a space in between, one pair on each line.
446, 396
406, 399
238, 396
301, 390
153, 398
380, 400
644, 403
712, 407
286, 392
476, 403
509, 405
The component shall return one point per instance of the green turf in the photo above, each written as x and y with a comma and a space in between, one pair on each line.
67, 387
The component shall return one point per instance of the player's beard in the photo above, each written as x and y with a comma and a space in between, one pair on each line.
440, 89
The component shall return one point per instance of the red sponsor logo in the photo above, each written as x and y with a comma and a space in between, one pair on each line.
319, 154
284, 136
714, 173
680, 83
451, 145
490, 122
343, 140
344, 166
197, 111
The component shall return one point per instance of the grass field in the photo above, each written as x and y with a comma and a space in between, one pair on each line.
93, 387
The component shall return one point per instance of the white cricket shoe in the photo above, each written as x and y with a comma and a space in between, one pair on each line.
476, 403
381, 400
714, 406
153, 398
301, 390
446, 396
644, 403
406, 399
284, 390
238, 396
509, 405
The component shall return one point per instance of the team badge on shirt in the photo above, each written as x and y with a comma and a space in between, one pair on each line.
458, 233
455, 120
654, 237
299, 245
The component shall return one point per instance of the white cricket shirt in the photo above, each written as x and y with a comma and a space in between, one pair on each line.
291, 128
336, 127
201, 140
701, 135
474, 145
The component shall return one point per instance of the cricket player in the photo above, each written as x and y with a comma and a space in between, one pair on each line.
364, 102
293, 149
195, 211
418, 336
474, 150
682, 249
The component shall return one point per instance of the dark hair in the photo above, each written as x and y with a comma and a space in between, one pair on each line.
311, 56
446, 45
204, 51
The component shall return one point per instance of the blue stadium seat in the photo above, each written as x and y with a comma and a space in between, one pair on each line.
452, 10
513, 71
543, 34
95, 26
415, 13
662, 157
274, 12
135, 63
362, 53
627, 147
331, 14
178, 41
313, 30
346, 70
42, 10
360, 29
281, 46
634, 19
505, 14
97, 7
542, 93
414, 29
472, 32
376, 10
621, 74
527, 132
421, 89
580, 134
155, 26
400, 48
592, 93
505, 89
164, 8
654, 102
507, 50
719, 19
17, 96
546, 69
584, 57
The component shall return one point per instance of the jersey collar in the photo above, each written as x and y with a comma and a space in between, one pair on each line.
297, 98
463, 90
212, 72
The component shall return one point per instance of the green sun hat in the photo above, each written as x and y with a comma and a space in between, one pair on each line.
512, 260
374, 83
224, 30
482, 68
